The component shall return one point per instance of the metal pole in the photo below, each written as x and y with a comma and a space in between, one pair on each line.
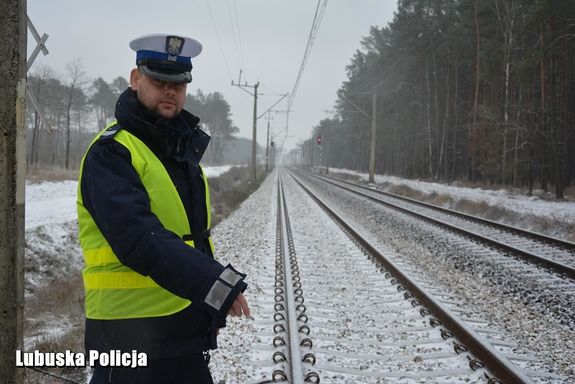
268, 147
372, 143
373, 125
320, 157
311, 154
12, 183
273, 157
254, 133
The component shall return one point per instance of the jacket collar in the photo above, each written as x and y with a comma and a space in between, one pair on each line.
180, 138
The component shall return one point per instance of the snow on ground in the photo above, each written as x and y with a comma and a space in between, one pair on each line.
216, 171
522, 204
52, 249
245, 239
55, 202
50, 203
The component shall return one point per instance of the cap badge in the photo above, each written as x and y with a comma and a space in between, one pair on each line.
174, 45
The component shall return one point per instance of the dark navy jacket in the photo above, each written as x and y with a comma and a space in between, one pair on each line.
118, 202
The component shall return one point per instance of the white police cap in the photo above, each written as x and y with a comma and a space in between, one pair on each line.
166, 57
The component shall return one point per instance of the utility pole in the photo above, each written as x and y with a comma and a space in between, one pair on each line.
268, 111
311, 154
254, 132
272, 155
268, 145
12, 183
320, 148
372, 144
373, 118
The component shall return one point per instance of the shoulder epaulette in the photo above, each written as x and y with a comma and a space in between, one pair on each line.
110, 132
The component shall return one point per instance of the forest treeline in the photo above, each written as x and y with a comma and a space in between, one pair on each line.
480, 90
74, 108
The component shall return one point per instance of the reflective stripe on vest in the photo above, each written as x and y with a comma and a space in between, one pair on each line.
113, 290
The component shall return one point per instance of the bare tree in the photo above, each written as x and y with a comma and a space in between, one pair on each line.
39, 82
77, 80
506, 15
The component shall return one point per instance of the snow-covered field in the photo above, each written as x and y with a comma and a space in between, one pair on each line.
55, 202
50, 203
522, 204
216, 171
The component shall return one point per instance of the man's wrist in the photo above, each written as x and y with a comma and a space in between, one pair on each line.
226, 288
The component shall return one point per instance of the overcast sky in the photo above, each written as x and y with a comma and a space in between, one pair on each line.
267, 38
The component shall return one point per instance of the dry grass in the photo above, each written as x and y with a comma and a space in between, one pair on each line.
73, 341
549, 195
72, 375
404, 190
442, 200
570, 192
66, 295
347, 177
477, 208
59, 305
230, 189
57, 174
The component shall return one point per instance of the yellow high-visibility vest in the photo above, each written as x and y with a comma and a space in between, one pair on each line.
113, 290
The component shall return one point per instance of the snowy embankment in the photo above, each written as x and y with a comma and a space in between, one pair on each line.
55, 202
558, 216
52, 249
50, 203
216, 171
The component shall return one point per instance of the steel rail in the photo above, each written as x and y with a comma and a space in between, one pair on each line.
558, 267
295, 361
494, 361
289, 308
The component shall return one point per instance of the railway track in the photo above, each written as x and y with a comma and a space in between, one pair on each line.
348, 318
554, 254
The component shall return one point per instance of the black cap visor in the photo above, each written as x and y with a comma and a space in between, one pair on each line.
164, 73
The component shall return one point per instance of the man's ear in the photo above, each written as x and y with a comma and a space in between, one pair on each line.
134, 79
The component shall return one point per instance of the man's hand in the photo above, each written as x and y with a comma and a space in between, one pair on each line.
239, 307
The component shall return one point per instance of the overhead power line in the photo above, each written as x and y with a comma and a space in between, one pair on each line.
239, 34
219, 40
234, 23
319, 11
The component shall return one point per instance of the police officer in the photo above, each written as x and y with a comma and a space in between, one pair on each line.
150, 277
